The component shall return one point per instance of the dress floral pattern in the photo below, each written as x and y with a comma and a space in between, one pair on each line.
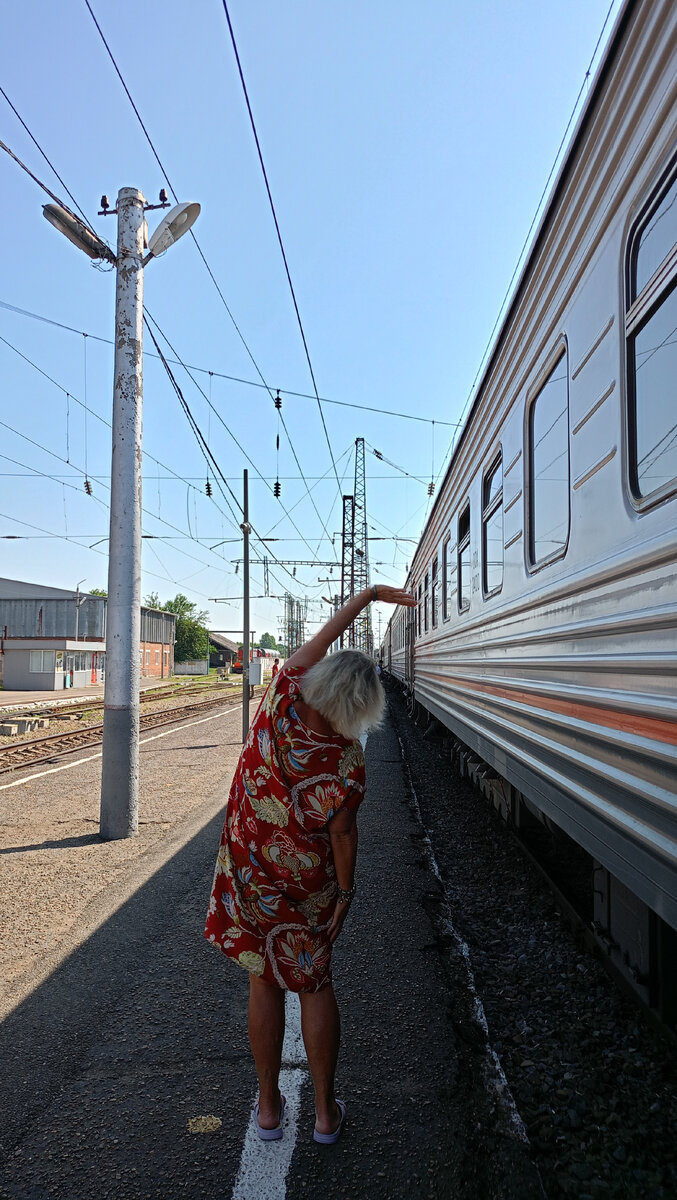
274, 889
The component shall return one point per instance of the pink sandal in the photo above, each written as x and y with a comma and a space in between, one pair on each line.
271, 1135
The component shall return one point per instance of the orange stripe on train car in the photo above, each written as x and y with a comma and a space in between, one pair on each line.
650, 727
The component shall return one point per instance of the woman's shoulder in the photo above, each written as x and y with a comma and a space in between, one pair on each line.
288, 680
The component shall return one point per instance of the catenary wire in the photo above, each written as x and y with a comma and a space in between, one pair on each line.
205, 448
192, 233
387, 412
279, 236
217, 414
60, 202
162, 168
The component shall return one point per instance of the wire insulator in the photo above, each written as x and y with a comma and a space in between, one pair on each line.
431, 489
278, 400
277, 488
88, 487
377, 454
208, 488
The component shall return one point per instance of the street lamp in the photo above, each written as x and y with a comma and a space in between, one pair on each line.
79, 601
120, 759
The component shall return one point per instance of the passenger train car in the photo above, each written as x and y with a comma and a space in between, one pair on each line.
545, 636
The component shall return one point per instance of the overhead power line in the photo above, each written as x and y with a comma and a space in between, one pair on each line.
203, 257
387, 412
205, 448
279, 236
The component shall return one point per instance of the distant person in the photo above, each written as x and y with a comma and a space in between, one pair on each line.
285, 873
276, 666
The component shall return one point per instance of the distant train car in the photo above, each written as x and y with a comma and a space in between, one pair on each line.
545, 636
268, 655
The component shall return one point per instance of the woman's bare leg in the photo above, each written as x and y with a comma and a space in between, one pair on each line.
266, 1035
321, 1028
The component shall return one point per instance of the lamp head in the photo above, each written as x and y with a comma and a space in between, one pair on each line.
77, 232
177, 222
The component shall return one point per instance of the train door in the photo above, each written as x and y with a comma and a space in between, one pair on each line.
409, 640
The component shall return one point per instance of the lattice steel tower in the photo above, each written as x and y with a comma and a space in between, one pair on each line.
294, 623
355, 556
348, 563
363, 636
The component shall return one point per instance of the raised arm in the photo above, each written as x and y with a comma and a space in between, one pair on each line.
314, 650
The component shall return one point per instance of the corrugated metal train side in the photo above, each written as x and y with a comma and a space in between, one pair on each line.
545, 635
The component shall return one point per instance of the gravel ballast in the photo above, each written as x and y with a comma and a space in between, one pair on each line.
594, 1083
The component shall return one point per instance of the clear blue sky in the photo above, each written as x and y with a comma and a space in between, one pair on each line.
406, 144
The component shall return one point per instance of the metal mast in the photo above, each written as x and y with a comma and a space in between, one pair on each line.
362, 631
348, 563
294, 631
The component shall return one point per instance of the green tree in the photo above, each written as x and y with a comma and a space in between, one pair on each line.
98, 592
183, 607
268, 642
192, 640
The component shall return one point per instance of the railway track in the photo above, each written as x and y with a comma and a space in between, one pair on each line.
57, 745
96, 703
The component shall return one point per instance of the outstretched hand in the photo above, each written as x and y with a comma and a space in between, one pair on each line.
391, 595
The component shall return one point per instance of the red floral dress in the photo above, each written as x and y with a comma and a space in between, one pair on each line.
274, 889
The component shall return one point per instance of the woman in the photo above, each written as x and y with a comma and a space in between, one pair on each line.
285, 874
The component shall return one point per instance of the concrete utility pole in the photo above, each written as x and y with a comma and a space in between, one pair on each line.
120, 765
246, 530
120, 760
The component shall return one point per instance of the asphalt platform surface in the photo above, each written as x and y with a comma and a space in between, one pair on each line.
143, 1027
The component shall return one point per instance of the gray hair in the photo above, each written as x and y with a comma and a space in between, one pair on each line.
345, 688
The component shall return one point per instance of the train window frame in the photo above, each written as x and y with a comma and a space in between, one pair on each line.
463, 543
639, 310
434, 590
488, 511
560, 352
446, 578
426, 602
417, 630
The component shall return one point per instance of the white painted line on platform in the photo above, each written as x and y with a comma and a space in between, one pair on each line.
293, 1050
91, 757
264, 1166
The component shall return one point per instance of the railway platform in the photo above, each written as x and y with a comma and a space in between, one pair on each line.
69, 696
119, 1024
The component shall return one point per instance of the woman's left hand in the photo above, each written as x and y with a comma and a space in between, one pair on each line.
336, 924
385, 594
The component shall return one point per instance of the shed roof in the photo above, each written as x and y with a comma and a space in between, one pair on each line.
222, 643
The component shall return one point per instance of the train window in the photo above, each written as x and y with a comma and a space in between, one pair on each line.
434, 591
549, 468
492, 527
426, 601
445, 579
652, 348
420, 606
463, 559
